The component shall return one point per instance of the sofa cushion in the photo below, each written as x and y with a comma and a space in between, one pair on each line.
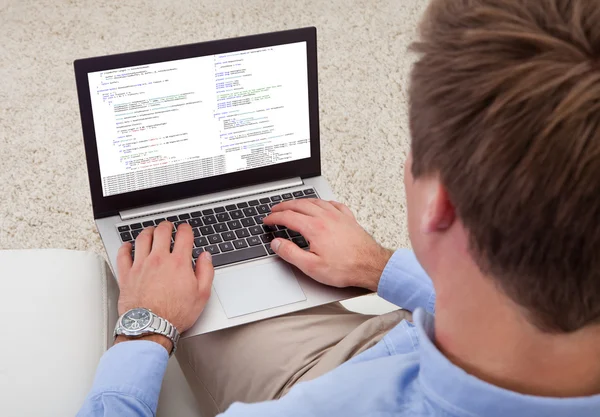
57, 307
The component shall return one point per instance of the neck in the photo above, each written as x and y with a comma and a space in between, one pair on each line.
480, 330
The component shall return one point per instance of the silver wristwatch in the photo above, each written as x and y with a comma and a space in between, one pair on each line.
140, 322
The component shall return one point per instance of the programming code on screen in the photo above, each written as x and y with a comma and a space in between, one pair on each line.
193, 118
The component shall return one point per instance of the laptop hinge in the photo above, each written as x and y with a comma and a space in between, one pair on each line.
210, 198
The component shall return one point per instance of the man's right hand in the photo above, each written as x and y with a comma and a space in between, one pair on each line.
342, 253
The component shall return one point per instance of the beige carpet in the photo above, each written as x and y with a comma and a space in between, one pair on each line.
363, 69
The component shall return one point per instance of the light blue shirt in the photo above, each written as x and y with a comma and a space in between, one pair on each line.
404, 375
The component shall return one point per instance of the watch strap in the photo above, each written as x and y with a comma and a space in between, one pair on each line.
165, 328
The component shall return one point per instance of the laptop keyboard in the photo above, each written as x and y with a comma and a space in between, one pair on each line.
231, 233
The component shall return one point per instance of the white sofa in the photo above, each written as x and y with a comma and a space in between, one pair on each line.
58, 309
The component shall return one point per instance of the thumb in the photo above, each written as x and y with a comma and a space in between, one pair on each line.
292, 253
205, 273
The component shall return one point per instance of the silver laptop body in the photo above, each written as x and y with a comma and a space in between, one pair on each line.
213, 134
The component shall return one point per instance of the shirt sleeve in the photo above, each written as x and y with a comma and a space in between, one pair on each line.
406, 284
128, 381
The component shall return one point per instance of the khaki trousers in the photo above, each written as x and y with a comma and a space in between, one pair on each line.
263, 360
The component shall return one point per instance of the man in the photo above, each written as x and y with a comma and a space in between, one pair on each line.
502, 195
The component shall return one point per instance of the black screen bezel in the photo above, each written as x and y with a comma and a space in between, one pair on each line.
111, 205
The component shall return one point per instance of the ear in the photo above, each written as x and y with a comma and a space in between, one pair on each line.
439, 212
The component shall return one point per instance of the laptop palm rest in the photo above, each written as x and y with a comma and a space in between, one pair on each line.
257, 287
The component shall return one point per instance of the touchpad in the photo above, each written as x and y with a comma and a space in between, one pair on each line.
251, 288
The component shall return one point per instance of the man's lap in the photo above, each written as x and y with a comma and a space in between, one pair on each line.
263, 360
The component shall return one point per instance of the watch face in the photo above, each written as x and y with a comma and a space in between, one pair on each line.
136, 319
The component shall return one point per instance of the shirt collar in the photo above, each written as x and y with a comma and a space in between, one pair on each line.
460, 393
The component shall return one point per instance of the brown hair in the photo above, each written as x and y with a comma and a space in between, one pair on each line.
505, 109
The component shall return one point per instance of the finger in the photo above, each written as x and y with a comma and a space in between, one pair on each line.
162, 238
290, 219
184, 240
326, 205
292, 253
143, 244
124, 260
343, 208
304, 206
205, 273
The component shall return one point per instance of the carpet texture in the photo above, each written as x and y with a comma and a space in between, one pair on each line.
363, 73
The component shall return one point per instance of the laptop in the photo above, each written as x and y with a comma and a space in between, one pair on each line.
212, 134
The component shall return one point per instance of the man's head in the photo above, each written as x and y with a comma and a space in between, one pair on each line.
505, 125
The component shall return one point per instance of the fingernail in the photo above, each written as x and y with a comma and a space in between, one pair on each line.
208, 256
275, 244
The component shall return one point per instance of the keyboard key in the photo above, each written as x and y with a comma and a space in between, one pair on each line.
208, 212
286, 196
242, 205
200, 241
310, 191
272, 204
297, 193
220, 227
248, 222
253, 202
250, 211
172, 218
254, 240
300, 241
195, 222
240, 244
239, 255
265, 200
179, 223
123, 228
281, 233
135, 226
196, 232
280, 227
159, 221
234, 224
269, 250
226, 247
219, 209
304, 196
275, 198
231, 207
126, 237
173, 236
236, 214
228, 236
242, 233
269, 229
207, 230
213, 250
184, 216
135, 233
196, 213
214, 239
209, 219
259, 219
223, 217
267, 237
293, 233
264, 209
256, 230
196, 252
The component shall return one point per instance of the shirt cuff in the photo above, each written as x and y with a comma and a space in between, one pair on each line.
135, 368
405, 283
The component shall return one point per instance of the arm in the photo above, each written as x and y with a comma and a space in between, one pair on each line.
405, 283
130, 374
343, 254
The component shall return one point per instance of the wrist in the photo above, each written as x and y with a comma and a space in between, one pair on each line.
373, 267
164, 341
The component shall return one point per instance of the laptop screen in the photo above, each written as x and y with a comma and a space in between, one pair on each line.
183, 120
